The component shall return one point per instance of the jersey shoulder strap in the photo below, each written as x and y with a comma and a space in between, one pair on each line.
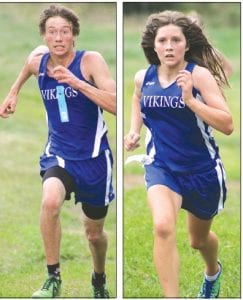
150, 75
190, 66
43, 62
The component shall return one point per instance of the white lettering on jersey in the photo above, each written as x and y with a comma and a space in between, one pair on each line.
50, 94
163, 101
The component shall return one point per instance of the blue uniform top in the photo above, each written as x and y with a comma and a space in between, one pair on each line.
82, 135
176, 137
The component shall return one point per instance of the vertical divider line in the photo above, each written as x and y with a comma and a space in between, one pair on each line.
119, 125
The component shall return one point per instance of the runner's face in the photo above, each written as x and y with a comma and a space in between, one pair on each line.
170, 45
59, 36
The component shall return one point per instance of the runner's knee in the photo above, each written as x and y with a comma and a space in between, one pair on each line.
196, 242
94, 236
51, 202
164, 228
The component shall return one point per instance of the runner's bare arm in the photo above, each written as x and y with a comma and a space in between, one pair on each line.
30, 67
131, 140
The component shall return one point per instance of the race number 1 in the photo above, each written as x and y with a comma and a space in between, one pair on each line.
62, 104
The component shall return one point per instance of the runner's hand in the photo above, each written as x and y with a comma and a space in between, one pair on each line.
8, 106
131, 141
63, 75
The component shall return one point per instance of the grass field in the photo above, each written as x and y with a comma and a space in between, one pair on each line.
140, 278
22, 138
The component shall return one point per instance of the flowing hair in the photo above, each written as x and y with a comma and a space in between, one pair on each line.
200, 50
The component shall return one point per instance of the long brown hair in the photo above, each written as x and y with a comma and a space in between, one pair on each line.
200, 50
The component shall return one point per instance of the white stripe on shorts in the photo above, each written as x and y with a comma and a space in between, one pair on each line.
221, 177
109, 176
61, 161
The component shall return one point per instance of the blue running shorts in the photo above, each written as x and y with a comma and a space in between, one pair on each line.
92, 177
203, 194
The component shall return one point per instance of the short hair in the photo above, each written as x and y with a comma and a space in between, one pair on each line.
61, 11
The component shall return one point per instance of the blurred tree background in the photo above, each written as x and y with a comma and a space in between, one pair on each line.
212, 13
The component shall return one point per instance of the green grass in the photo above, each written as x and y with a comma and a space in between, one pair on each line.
140, 278
22, 138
